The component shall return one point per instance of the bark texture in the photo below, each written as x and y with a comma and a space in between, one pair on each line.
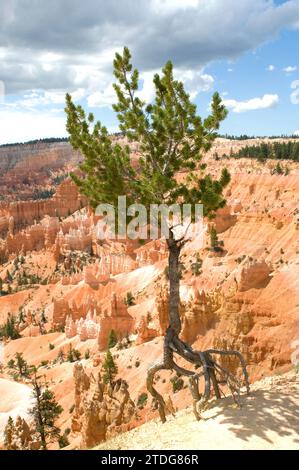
205, 365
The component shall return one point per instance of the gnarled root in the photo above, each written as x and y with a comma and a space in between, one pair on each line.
150, 387
210, 370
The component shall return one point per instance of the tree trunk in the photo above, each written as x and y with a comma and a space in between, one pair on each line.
174, 345
174, 284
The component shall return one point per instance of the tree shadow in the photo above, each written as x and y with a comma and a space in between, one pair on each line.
261, 412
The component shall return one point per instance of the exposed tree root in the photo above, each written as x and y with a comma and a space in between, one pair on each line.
214, 374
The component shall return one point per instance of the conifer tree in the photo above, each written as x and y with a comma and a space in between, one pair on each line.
21, 317
112, 339
172, 138
9, 329
9, 276
214, 238
130, 299
45, 412
60, 356
21, 365
110, 368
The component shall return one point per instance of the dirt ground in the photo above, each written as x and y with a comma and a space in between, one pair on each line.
268, 419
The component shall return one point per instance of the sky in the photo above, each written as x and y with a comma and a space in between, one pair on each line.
247, 50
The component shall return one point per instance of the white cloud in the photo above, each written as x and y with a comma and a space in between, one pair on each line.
290, 69
267, 101
192, 33
270, 68
166, 6
295, 94
230, 70
2, 92
102, 98
194, 81
22, 126
37, 98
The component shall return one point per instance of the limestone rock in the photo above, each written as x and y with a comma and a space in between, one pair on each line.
252, 274
22, 437
101, 410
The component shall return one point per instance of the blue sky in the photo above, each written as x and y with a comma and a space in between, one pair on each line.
246, 50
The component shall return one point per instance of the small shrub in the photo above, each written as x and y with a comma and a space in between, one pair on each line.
130, 299
177, 384
44, 363
142, 400
72, 408
196, 266
63, 441
73, 355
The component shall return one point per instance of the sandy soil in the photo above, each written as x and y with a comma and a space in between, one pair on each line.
268, 420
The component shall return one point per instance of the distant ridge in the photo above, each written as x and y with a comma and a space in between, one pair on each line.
53, 140
251, 137
47, 140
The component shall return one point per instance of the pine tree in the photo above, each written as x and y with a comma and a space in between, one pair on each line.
63, 440
130, 299
73, 354
21, 365
70, 354
60, 356
172, 138
21, 318
110, 368
112, 339
45, 412
9, 329
43, 318
278, 169
196, 266
214, 238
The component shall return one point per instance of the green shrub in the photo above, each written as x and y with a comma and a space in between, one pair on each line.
72, 408
112, 339
196, 266
142, 400
177, 384
130, 299
63, 441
